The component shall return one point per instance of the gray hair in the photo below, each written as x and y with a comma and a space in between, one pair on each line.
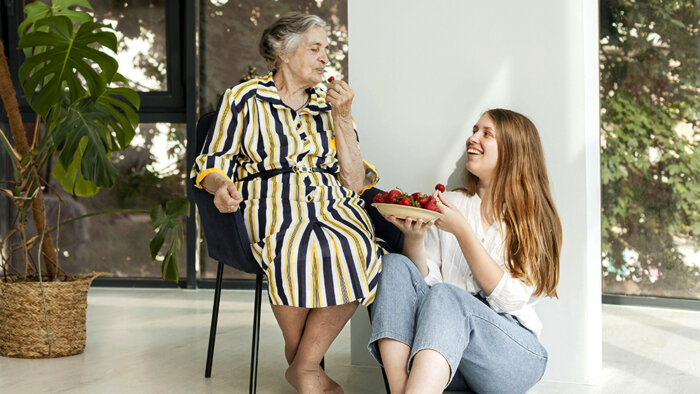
285, 35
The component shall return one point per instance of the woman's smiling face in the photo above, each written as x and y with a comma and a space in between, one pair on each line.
482, 149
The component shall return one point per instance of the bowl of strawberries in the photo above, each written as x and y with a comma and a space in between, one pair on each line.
402, 205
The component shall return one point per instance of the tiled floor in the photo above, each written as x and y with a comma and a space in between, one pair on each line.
154, 341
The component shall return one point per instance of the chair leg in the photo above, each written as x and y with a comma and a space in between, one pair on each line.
214, 319
256, 335
386, 381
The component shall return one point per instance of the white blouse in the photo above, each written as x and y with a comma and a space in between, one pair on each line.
446, 263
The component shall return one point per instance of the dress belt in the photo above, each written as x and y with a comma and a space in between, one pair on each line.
298, 169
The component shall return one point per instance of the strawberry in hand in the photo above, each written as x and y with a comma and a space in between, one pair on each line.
440, 187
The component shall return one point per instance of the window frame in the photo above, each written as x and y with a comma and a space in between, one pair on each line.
156, 106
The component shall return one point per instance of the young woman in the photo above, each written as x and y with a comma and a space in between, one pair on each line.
455, 310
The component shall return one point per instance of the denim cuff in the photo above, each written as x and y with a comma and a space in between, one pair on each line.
373, 346
452, 356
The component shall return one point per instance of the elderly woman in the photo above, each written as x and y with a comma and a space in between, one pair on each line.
287, 154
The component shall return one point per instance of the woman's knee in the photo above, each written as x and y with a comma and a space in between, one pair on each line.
441, 293
396, 265
447, 299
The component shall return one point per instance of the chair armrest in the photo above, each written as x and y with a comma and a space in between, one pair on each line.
226, 235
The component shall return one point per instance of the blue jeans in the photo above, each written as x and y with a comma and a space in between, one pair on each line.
487, 352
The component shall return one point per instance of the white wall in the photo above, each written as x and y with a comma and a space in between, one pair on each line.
423, 72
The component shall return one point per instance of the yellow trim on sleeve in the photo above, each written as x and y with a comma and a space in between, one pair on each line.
206, 172
374, 181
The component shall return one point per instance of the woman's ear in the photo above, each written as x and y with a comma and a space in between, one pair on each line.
282, 57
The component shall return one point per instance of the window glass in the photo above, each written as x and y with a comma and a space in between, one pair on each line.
151, 171
230, 32
140, 30
650, 148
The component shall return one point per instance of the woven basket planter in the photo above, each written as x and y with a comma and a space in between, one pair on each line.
23, 318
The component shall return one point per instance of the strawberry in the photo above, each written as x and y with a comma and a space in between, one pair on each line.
415, 195
440, 187
431, 206
331, 78
392, 198
379, 197
422, 200
405, 201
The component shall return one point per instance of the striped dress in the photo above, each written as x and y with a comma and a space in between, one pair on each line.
309, 234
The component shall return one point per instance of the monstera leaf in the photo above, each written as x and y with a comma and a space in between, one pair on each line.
38, 10
67, 81
68, 56
86, 140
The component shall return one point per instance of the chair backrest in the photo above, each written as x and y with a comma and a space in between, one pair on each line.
226, 235
392, 236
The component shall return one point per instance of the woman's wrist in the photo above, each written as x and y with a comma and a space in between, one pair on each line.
213, 182
414, 238
343, 120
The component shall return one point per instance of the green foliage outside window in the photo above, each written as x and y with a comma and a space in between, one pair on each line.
650, 147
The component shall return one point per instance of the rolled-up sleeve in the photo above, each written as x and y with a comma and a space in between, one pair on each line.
510, 294
221, 144
433, 256
371, 177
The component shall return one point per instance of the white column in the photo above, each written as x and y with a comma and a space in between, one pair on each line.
423, 72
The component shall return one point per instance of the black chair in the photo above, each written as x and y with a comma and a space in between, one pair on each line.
228, 244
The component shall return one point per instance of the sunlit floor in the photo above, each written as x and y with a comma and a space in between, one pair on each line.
155, 341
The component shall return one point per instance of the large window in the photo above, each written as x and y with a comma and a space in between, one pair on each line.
150, 43
650, 147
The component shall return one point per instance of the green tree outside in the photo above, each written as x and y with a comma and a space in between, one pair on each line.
650, 147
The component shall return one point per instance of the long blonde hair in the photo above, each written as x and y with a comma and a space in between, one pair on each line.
520, 201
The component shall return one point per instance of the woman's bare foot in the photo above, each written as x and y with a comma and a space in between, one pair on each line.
329, 385
304, 379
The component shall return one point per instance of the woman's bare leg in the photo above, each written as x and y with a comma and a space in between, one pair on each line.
292, 321
430, 373
322, 327
395, 360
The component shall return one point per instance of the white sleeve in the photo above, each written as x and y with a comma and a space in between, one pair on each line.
433, 256
510, 294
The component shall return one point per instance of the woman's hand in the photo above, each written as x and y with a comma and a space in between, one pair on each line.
339, 95
413, 229
452, 220
227, 198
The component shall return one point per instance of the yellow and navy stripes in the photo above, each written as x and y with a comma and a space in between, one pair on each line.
308, 232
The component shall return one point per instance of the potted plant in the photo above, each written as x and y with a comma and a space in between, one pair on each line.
87, 112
